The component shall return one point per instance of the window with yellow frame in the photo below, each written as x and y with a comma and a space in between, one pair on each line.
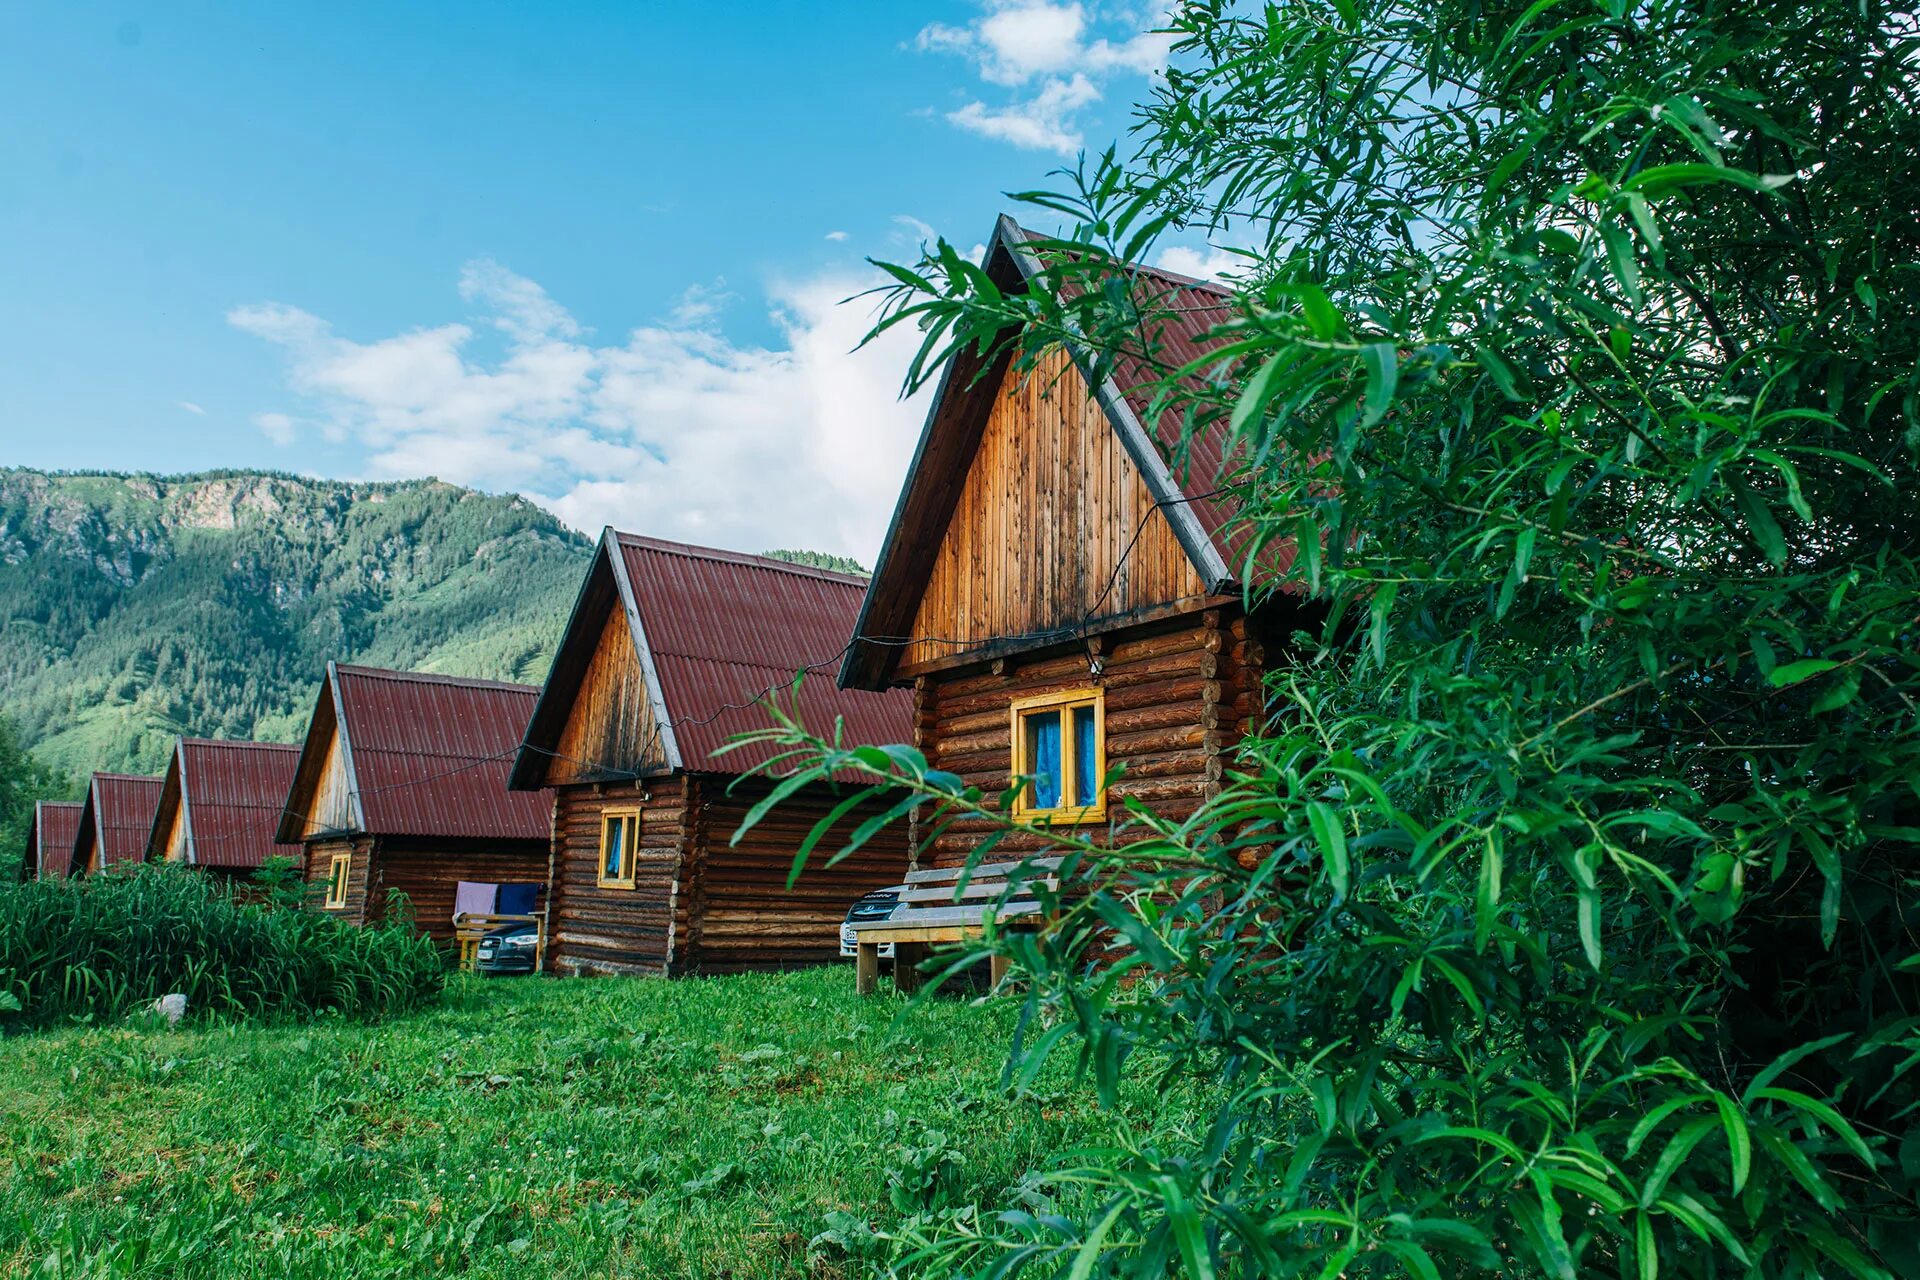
339, 871
619, 834
1060, 756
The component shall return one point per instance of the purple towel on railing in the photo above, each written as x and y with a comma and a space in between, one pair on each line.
517, 899
470, 899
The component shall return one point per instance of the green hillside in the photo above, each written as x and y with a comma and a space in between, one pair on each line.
137, 607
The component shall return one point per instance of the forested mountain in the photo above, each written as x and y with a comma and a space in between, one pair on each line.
137, 607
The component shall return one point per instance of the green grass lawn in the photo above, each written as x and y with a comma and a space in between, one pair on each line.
531, 1127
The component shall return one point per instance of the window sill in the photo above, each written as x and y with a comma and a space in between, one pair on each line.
1063, 817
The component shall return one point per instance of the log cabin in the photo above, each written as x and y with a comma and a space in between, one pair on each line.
115, 817
50, 835
1061, 598
400, 789
220, 806
669, 652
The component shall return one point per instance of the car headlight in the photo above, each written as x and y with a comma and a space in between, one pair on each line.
527, 941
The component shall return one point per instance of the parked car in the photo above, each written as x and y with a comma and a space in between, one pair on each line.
877, 905
508, 949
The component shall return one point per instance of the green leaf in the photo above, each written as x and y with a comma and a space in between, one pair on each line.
1588, 910
1795, 672
1645, 1252
1499, 370
1253, 397
1320, 314
1764, 529
1487, 894
1378, 608
1739, 1140
1814, 1109
1383, 378
1333, 845
1664, 179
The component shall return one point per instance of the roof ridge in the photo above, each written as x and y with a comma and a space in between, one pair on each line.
239, 742
1186, 281
433, 677
746, 558
129, 777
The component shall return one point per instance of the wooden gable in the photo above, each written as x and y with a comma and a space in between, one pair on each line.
329, 806
1054, 530
610, 728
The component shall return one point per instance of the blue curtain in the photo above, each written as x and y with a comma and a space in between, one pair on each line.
1086, 758
1043, 758
616, 848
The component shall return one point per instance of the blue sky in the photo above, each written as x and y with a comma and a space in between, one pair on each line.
588, 252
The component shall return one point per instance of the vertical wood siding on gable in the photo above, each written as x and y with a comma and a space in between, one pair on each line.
330, 806
1043, 525
618, 931
173, 845
1179, 697
610, 727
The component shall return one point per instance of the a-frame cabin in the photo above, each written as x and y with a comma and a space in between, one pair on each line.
114, 820
220, 805
401, 789
670, 651
50, 836
1062, 600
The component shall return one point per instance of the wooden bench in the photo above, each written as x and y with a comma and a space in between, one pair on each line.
936, 907
469, 927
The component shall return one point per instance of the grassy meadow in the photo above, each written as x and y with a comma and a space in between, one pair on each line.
700, 1128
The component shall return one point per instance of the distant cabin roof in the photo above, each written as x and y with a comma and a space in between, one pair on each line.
118, 811
50, 836
427, 755
717, 630
233, 794
1182, 312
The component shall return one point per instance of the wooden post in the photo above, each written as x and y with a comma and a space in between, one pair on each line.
906, 965
1000, 965
866, 968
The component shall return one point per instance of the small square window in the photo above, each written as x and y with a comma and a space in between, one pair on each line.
619, 834
1060, 756
339, 871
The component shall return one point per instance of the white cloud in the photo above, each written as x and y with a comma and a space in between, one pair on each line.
277, 427
836, 235
1015, 43
192, 408
1202, 264
677, 430
1044, 122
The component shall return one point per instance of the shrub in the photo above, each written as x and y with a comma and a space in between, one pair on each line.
101, 946
1562, 922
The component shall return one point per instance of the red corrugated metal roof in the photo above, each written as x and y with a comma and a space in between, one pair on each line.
233, 793
56, 824
724, 628
119, 806
430, 754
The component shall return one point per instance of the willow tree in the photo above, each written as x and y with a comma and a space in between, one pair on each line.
1563, 921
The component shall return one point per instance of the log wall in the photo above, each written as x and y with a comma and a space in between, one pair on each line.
1179, 697
740, 913
624, 931
428, 871
1054, 526
319, 859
